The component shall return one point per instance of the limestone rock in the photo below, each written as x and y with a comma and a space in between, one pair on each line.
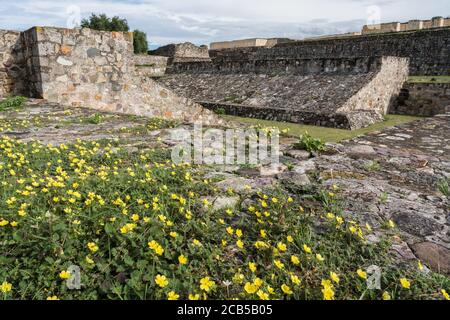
294, 180
224, 203
435, 256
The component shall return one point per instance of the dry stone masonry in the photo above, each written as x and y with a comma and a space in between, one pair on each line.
83, 67
423, 99
343, 93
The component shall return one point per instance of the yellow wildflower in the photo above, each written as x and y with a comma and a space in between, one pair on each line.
319, 257
334, 277
307, 249
172, 296
92, 246
250, 288
278, 264
206, 284
286, 289
182, 259
64, 275
386, 296
6, 287
362, 274
161, 281
405, 283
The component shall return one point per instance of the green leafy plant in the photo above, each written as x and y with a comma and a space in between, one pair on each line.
220, 111
373, 166
443, 187
310, 144
95, 119
15, 102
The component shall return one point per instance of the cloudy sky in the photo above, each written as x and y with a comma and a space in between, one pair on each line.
204, 21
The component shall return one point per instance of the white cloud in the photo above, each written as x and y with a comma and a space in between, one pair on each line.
204, 21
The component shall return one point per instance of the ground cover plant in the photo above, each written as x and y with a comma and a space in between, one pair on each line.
140, 227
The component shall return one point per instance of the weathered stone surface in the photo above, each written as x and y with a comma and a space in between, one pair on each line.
225, 202
298, 154
12, 64
183, 52
295, 181
272, 170
64, 62
422, 99
435, 256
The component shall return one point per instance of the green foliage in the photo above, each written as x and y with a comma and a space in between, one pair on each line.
140, 42
104, 23
310, 144
443, 187
15, 102
95, 119
125, 218
373, 166
220, 111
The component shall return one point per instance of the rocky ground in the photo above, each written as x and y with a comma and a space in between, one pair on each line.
397, 174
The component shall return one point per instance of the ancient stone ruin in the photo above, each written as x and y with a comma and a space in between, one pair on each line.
344, 83
83, 67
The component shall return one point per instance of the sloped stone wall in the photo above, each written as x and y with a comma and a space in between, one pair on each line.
379, 93
83, 67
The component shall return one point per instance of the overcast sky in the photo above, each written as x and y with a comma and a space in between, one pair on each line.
204, 21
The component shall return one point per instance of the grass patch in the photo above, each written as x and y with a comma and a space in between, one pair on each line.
15, 102
324, 133
95, 119
429, 79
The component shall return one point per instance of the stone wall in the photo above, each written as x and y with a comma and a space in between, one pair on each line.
299, 66
347, 98
379, 93
244, 43
12, 64
422, 99
436, 22
94, 69
182, 52
428, 50
150, 66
